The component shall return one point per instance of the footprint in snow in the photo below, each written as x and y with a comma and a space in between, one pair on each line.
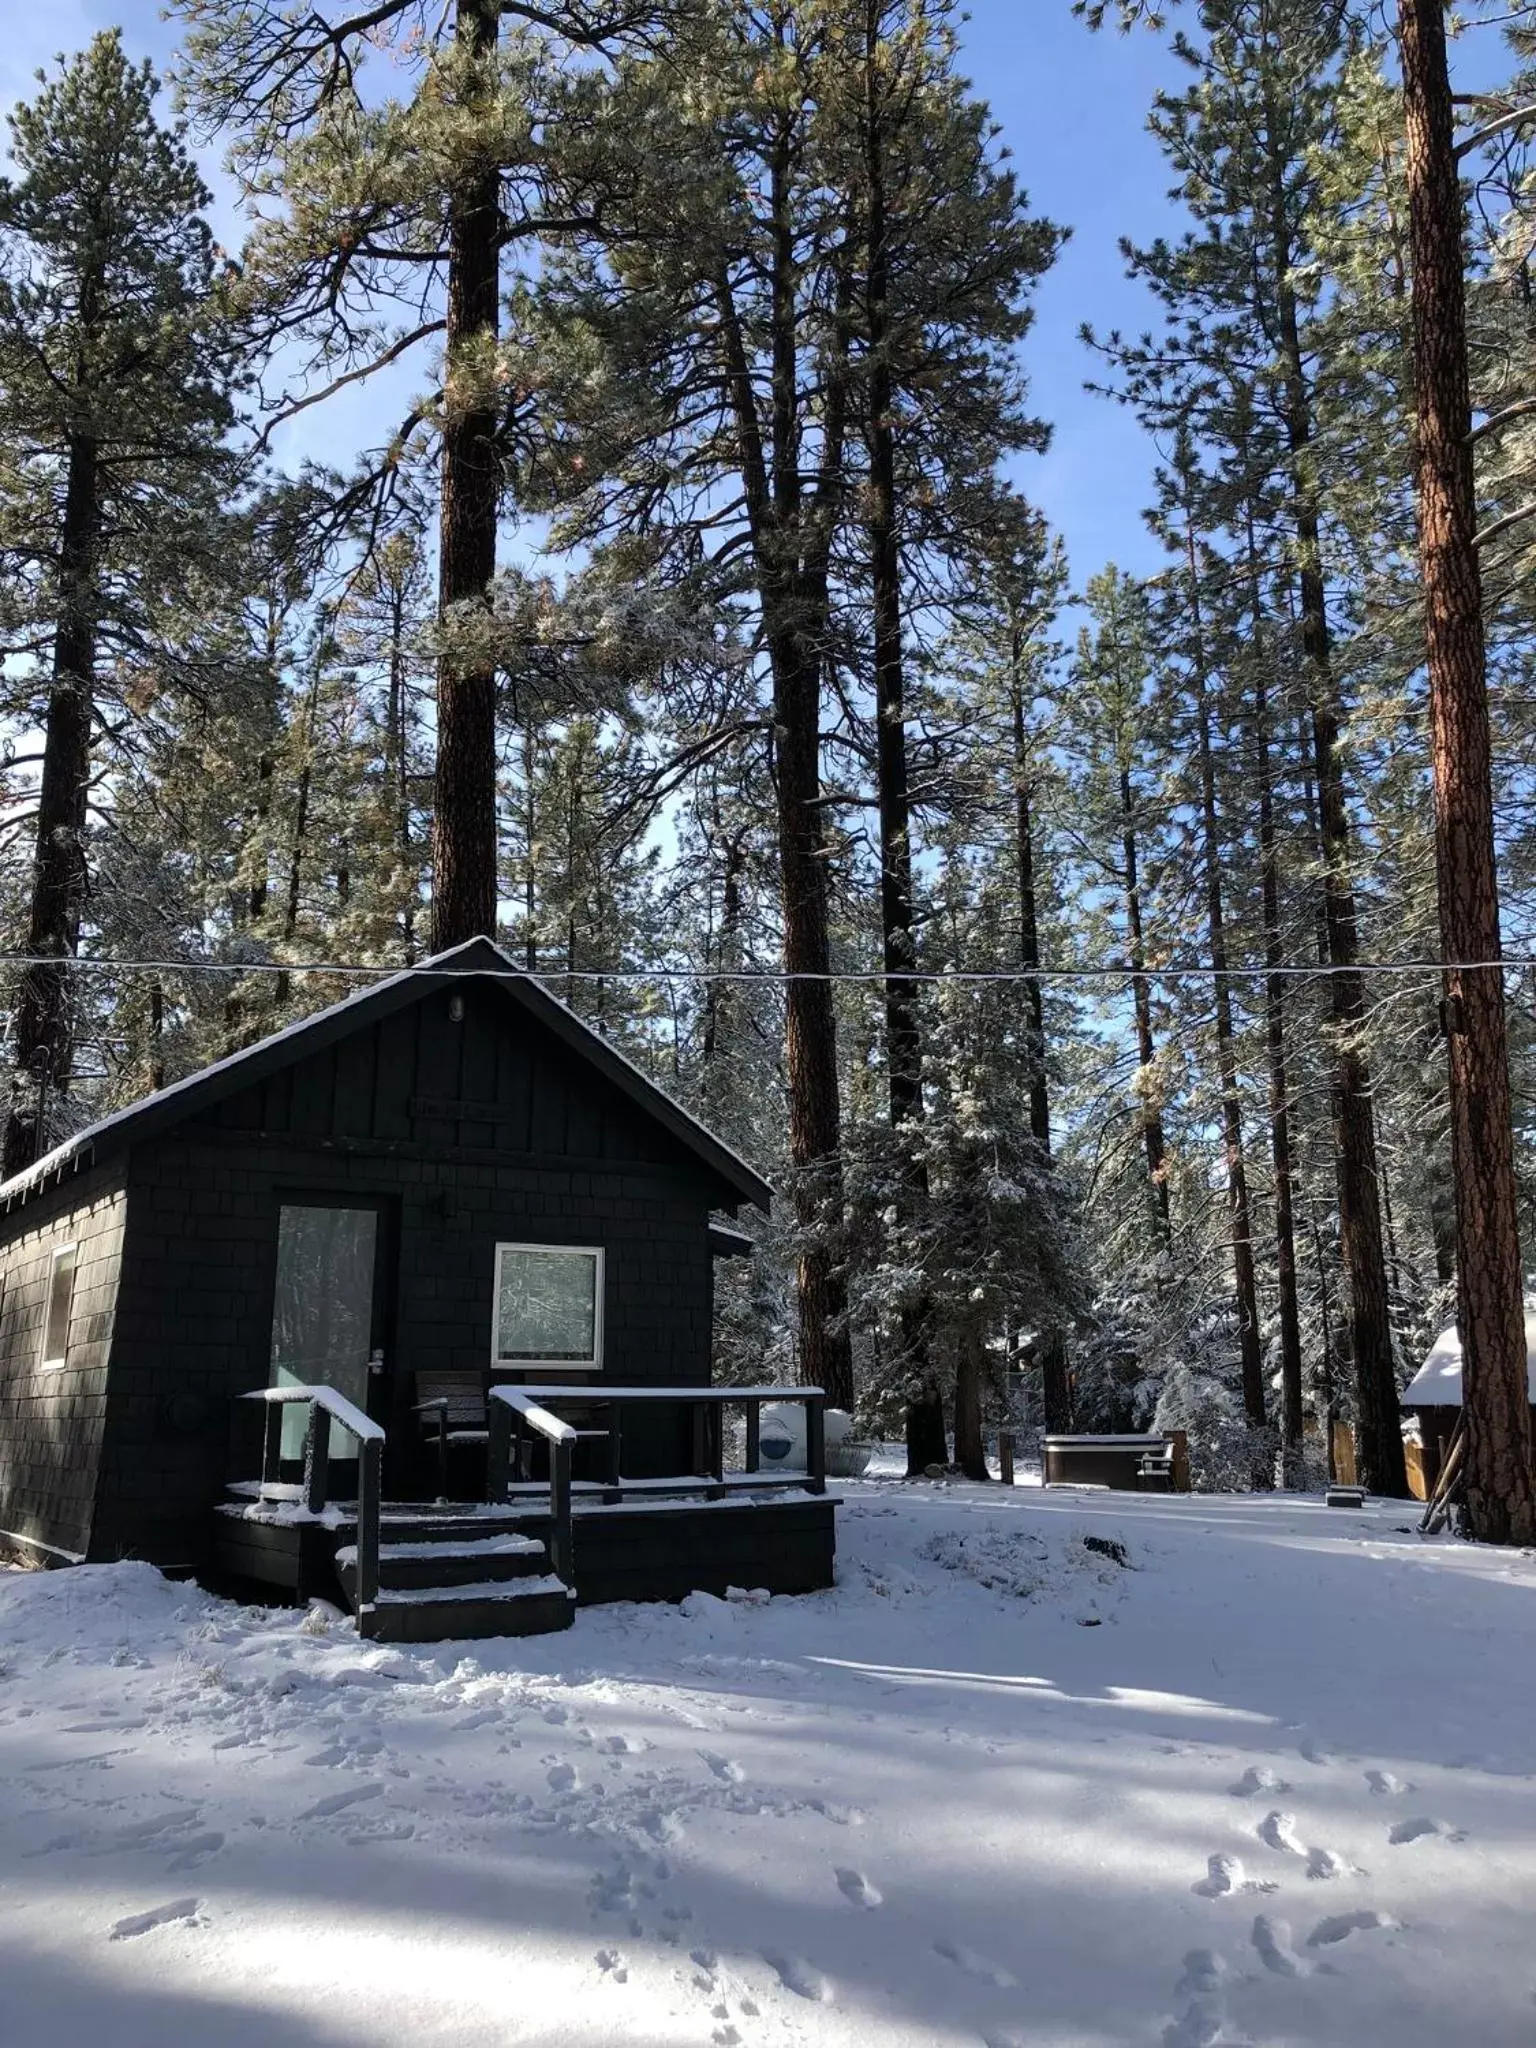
1278, 1831
857, 1889
975, 1965
1386, 1784
338, 1801
799, 1976
157, 1916
1224, 1875
840, 1816
1203, 2020
195, 1849
612, 1965
561, 1777
1324, 1864
723, 1767
1257, 1779
1417, 1830
1272, 1940
1341, 1925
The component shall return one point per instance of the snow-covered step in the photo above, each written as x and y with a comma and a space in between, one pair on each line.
480, 1589
511, 1545
503, 1559
493, 1607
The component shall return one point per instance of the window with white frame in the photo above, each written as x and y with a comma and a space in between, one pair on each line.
61, 1295
549, 1306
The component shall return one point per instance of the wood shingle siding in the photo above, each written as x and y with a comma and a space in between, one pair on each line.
53, 1418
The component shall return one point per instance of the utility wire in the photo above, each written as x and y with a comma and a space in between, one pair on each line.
1182, 971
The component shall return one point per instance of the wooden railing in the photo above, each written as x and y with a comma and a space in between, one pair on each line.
326, 1407
510, 1410
707, 1406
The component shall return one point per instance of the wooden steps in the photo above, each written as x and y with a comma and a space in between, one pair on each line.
447, 1578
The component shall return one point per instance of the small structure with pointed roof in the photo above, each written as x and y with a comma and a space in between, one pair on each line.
446, 1180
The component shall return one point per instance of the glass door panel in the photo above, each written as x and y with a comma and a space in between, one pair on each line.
323, 1310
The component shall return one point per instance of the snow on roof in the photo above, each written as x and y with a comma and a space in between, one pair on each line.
1437, 1383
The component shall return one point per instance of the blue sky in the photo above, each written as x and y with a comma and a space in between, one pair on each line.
1073, 109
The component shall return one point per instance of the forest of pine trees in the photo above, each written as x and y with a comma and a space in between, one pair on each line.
681, 616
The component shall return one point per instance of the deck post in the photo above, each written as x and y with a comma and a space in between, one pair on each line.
271, 1442
498, 1452
561, 1546
698, 1415
815, 1445
754, 1453
317, 1458
615, 1444
369, 1486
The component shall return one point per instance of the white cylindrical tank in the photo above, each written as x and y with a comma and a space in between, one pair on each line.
781, 1435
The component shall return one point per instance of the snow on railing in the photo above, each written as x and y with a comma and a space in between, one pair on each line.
326, 1406
503, 1405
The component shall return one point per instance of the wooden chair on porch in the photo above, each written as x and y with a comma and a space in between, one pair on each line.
452, 1408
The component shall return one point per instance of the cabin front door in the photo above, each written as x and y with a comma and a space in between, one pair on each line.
328, 1306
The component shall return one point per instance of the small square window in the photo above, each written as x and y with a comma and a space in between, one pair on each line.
61, 1295
549, 1306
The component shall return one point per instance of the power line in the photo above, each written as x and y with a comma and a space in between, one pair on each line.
779, 977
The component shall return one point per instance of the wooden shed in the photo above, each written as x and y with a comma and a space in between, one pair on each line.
1433, 1396
412, 1299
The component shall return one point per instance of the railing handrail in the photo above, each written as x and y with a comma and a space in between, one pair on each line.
325, 1407
337, 1406
599, 1390
709, 1431
502, 1405
521, 1400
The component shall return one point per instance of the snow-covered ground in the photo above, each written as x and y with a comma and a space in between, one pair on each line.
1269, 1783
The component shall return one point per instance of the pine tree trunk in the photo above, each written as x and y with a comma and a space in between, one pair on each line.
1500, 1499
464, 818
970, 1379
1055, 1380
1246, 1283
1291, 1421
903, 1041
1029, 914
791, 545
927, 1443
398, 770
1378, 1429
1141, 994
44, 1016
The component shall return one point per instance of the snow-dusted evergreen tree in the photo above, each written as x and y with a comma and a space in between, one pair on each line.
115, 409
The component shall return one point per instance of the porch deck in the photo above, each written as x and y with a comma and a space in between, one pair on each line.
521, 1561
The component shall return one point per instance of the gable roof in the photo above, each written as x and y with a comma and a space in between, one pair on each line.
480, 959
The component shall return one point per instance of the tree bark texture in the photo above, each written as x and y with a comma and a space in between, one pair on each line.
1279, 1081
44, 1015
1029, 911
970, 1381
1245, 1280
790, 547
464, 816
903, 1037
1141, 994
1499, 1493
1377, 1425
1055, 1379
